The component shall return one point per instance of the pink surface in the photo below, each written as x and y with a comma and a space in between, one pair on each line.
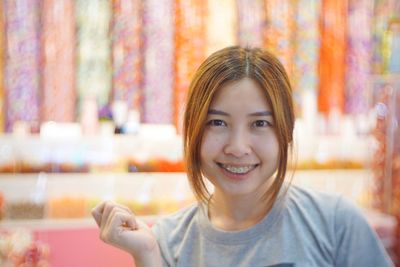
81, 247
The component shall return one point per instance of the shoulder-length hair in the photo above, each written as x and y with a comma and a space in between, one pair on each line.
228, 65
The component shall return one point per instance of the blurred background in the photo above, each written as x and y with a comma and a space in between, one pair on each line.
92, 94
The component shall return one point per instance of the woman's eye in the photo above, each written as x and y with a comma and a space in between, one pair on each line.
261, 123
216, 123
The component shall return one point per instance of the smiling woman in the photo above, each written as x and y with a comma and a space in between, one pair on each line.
228, 68
238, 131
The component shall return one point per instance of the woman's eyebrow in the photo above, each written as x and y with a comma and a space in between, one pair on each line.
253, 114
261, 113
217, 112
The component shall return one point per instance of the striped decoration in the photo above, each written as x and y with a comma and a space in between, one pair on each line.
383, 11
221, 25
385, 186
279, 31
306, 46
126, 51
394, 47
305, 75
332, 56
251, 17
358, 56
22, 68
93, 51
2, 47
189, 49
58, 92
159, 61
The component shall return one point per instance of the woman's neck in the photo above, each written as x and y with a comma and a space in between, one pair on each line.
237, 213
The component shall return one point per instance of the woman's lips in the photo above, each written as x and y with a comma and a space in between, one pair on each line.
237, 171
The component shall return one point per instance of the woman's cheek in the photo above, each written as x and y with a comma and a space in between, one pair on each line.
214, 141
211, 145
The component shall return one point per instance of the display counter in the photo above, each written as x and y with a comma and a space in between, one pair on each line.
63, 196
64, 223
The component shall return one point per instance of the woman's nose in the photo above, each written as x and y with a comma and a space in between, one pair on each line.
238, 144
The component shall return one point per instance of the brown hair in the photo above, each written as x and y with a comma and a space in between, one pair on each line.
228, 65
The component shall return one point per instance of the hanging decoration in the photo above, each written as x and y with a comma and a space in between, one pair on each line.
126, 51
189, 49
394, 46
93, 51
159, 61
358, 56
307, 44
383, 12
385, 165
58, 93
2, 47
306, 47
279, 31
251, 20
22, 70
221, 25
332, 57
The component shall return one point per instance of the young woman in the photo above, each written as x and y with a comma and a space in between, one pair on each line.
238, 132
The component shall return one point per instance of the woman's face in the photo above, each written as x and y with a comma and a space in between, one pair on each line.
239, 151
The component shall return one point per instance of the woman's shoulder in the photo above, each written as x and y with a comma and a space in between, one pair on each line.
185, 213
318, 199
339, 224
331, 207
175, 222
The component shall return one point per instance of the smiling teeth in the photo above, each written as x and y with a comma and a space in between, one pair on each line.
239, 170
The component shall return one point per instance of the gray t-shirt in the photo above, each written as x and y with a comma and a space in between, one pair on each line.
304, 228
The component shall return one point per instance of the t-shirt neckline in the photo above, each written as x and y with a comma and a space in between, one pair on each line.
241, 236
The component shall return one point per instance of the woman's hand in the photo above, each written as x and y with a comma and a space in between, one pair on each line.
120, 227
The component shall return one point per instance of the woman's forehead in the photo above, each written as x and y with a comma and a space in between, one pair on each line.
239, 93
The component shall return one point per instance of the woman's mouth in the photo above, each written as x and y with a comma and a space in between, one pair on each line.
238, 169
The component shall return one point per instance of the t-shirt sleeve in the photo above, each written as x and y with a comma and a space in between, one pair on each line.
356, 242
